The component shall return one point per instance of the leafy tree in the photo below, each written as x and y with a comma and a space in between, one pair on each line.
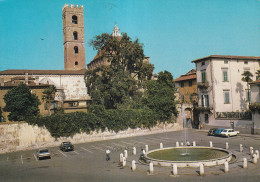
117, 83
247, 75
257, 74
21, 103
48, 96
160, 97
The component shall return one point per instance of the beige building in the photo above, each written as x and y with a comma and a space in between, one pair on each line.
222, 96
255, 101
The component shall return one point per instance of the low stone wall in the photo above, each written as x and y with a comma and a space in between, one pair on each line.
22, 136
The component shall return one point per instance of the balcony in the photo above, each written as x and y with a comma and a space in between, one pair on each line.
203, 108
203, 85
234, 115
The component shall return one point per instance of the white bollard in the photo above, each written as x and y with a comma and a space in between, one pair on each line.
257, 154
125, 154
146, 148
194, 143
174, 170
133, 165
161, 145
241, 148
210, 144
134, 151
181, 143
151, 168
121, 157
202, 169
124, 161
227, 146
226, 167
177, 144
244, 163
251, 149
254, 159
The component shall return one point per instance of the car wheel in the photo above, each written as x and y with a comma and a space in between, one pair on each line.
228, 136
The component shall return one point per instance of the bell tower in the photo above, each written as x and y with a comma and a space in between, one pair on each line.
73, 37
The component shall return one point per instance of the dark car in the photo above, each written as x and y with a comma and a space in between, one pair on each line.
211, 131
66, 146
218, 131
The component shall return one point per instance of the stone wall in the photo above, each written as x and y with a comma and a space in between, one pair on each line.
21, 136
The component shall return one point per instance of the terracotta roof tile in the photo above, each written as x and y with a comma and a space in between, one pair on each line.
43, 72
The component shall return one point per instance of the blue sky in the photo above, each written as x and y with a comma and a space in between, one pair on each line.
174, 32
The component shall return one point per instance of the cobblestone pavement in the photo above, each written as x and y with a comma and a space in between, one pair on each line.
87, 162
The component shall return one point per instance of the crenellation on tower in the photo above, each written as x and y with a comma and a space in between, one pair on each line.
73, 37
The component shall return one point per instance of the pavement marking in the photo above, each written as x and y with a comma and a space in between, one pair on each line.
138, 142
128, 143
156, 139
22, 158
7, 158
87, 150
97, 148
75, 152
118, 145
107, 146
62, 153
35, 157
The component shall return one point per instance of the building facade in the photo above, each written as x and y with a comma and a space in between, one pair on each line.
255, 104
223, 97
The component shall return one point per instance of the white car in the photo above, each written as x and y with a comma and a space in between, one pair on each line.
43, 153
229, 133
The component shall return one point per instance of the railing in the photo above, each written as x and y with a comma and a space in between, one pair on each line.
234, 115
202, 85
203, 108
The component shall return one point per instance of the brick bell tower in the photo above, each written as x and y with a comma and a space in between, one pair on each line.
73, 37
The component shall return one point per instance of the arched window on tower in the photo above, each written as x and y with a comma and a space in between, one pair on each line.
76, 50
75, 35
76, 63
74, 19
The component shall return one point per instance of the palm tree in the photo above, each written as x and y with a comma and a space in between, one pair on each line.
247, 78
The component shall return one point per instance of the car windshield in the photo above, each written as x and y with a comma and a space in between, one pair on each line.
66, 143
43, 151
224, 130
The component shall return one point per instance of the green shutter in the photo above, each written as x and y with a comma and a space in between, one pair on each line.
202, 101
225, 76
226, 97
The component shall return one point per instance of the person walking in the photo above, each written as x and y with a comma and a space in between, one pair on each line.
107, 154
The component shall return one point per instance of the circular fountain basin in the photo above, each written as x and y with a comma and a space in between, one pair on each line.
188, 156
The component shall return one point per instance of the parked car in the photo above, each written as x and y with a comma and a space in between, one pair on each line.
211, 131
66, 146
229, 133
43, 153
218, 131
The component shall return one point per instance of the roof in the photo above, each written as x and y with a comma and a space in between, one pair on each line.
188, 76
228, 57
43, 72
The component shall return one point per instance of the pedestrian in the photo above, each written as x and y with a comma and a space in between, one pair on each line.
141, 157
187, 143
107, 154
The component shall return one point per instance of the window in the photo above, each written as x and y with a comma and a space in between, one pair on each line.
182, 84
74, 19
206, 118
75, 35
76, 63
225, 61
245, 62
248, 95
76, 50
202, 63
205, 100
225, 75
226, 97
203, 76
190, 83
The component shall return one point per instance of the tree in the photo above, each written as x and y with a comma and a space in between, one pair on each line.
257, 74
117, 83
21, 103
160, 97
48, 96
247, 78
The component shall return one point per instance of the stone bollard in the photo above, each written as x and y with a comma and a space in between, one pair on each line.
194, 143
254, 159
244, 163
202, 169
151, 168
134, 151
227, 146
210, 144
121, 157
124, 161
161, 145
226, 167
241, 148
174, 170
133, 165
181, 143
177, 144
257, 154
146, 148
251, 149
125, 154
